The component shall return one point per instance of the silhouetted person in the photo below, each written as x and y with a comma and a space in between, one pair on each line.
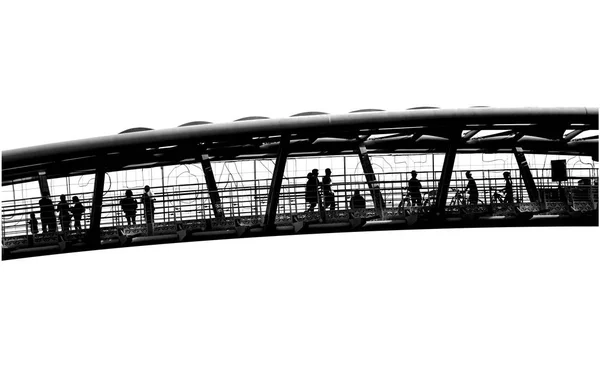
33, 229
77, 211
47, 214
129, 206
328, 195
472, 189
64, 216
357, 201
33, 224
414, 189
148, 201
508, 188
311, 194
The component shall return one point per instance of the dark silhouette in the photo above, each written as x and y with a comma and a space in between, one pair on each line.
77, 211
129, 206
33, 223
47, 214
357, 201
64, 216
472, 189
311, 194
414, 189
508, 188
148, 201
328, 195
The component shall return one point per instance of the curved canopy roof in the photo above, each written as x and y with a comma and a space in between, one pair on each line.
536, 130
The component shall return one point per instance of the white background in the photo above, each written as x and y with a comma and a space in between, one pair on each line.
73, 70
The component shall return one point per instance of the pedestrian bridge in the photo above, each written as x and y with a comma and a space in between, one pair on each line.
248, 177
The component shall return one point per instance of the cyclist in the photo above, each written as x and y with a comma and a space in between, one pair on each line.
508, 188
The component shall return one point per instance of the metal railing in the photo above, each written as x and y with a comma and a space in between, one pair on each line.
242, 198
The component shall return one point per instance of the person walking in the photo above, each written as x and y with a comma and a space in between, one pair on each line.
472, 189
311, 193
328, 195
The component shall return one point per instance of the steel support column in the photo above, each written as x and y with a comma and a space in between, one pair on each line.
371, 180
43, 181
276, 181
526, 174
444, 183
211, 184
93, 233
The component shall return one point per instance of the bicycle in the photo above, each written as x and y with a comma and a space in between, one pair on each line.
406, 206
459, 198
498, 197
429, 198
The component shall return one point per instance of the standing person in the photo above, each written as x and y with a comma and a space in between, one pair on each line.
129, 206
311, 194
64, 216
47, 213
33, 226
414, 189
508, 188
77, 211
148, 201
472, 189
328, 195
33, 223
357, 201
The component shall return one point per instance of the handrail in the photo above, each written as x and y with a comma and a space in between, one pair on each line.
178, 204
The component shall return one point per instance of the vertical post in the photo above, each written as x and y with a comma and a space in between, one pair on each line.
93, 234
526, 174
345, 187
444, 183
211, 184
370, 176
163, 200
273, 198
255, 192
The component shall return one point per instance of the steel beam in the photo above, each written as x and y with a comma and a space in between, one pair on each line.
276, 181
444, 183
370, 176
93, 233
213, 190
357, 123
526, 174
